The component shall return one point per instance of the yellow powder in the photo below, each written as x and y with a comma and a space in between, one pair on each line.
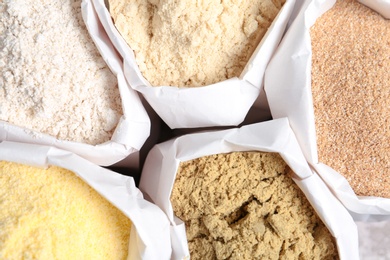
52, 214
243, 205
350, 86
192, 43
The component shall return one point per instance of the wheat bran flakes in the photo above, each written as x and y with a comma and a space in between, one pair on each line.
350, 86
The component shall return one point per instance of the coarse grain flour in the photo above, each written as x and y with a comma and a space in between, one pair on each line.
53, 79
244, 205
50, 213
192, 43
350, 86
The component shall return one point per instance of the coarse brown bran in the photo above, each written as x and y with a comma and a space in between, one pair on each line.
350, 86
243, 205
192, 43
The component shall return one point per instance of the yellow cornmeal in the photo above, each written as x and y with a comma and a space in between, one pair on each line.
52, 214
243, 205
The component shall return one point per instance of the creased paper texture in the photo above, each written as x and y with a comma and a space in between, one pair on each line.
221, 104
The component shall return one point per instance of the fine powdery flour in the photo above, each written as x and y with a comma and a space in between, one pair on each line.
52, 77
192, 43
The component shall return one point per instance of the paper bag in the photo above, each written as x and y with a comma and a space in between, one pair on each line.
150, 234
221, 104
133, 127
288, 89
381, 6
162, 163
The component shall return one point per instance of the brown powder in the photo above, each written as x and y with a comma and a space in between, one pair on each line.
350, 84
242, 205
192, 43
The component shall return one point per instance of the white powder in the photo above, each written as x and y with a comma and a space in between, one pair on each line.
53, 79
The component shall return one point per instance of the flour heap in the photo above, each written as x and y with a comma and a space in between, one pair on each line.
350, 86
50, 213
52, 77
192, 43
244, 205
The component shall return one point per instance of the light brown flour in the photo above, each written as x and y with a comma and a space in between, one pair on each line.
192, 43
243, 205
350, 85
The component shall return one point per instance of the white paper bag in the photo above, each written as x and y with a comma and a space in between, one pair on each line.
381, 6
220, 104
162, 163
288, 89
150, 237
133, 127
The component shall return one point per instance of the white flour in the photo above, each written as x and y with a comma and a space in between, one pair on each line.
53, 79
